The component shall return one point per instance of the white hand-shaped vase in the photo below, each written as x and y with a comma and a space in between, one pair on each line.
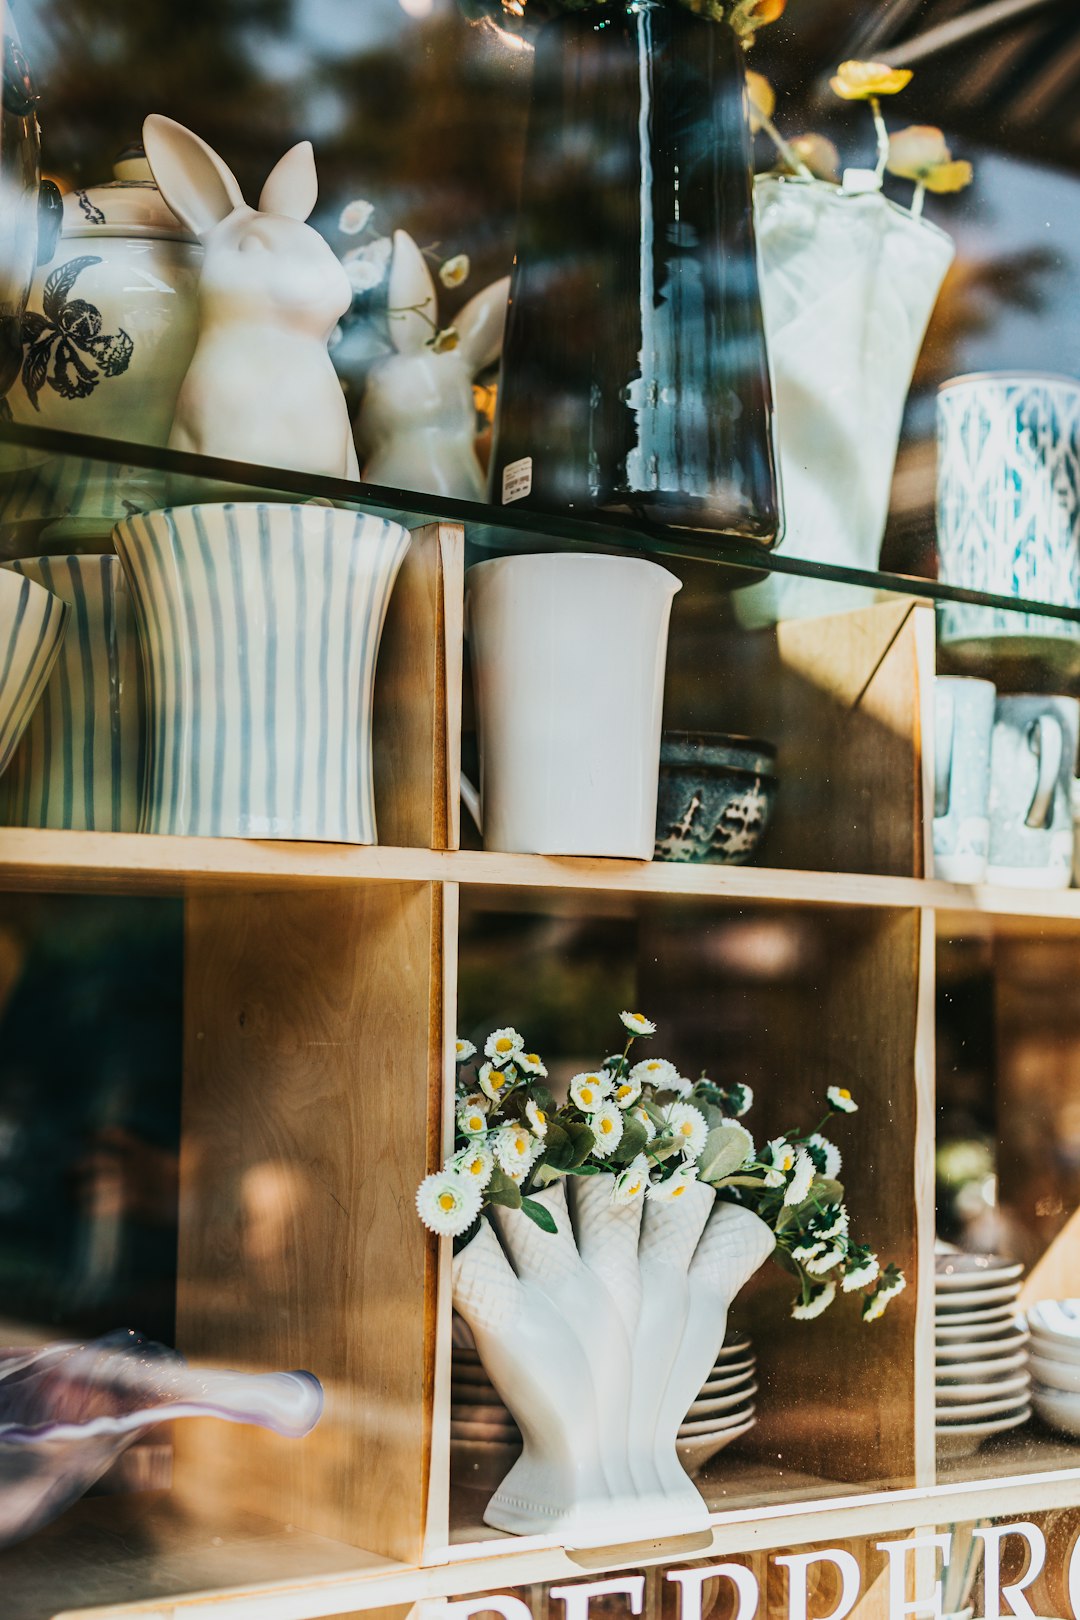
598, 1338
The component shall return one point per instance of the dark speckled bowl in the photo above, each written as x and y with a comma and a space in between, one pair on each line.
716, 797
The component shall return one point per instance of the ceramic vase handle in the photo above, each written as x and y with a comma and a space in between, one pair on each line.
1047, 743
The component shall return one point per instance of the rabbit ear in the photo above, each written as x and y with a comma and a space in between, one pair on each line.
412, 303
292, 186
481, 325
198, 186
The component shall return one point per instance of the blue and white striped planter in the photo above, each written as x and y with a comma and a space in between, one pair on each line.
32, 626
260, 627
81, 762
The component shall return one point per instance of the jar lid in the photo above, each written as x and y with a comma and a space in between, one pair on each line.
128, 205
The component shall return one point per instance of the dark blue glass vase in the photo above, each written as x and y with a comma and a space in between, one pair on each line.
635, 378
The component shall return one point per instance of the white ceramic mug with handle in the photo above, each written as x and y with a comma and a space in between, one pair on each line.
568, 659
1033, 764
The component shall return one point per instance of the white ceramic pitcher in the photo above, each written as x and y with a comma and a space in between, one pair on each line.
568, 658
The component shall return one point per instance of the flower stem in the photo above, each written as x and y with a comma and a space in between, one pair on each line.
882, 139
785, 149
917, 201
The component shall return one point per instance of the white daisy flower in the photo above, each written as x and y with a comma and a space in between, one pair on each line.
868, 1272
824, 1262
819, 1301
503, 1044
656, 1072
472, 1120
637, 1023
532, 1063
837, 1226
493, 1081
475, 1164
516, 1149
537, 1119
589, 1090
463, 1050
642, 1117
805, 1252
366, 266
630, 1184
355, 216
626, 1093
779, 1157
841, 1100
829, 1153
447, 1204
875, 1305
689, 1127
665, 1192
802, 1176
746, 1099
455, 270
606, 1124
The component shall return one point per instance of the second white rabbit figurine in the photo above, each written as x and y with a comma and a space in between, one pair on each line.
261, 386
417, 422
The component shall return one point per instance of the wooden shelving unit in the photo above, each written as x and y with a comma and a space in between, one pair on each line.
321, 992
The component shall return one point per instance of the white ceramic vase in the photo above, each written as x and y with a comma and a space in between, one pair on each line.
32, 627
80, 763
849, 281
108, 334
260, 628
568, 658
598, 1339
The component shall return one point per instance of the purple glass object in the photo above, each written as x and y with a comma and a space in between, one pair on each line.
67, 1411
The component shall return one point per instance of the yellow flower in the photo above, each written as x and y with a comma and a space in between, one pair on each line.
455, 270
747, 16
861, 81
819, 155
761, 98
920, 153
446, 340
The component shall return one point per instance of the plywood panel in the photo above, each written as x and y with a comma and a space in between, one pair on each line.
312, 1097
854, 695
418, 693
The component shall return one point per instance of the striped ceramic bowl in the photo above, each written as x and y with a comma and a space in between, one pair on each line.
32, 625
81, 761
260, 627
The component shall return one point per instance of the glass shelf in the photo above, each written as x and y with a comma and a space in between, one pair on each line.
187, 478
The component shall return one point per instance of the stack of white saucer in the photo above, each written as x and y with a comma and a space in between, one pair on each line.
485, 1440
725, 1408
983, 1382
1055, 1360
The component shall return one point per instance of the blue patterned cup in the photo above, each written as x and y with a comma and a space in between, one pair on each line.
260, 628
80, 763
1008, 510
32, 626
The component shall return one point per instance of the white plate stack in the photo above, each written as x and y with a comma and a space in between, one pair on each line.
725, 1408
983, 1384
485, 1440
1054, 1325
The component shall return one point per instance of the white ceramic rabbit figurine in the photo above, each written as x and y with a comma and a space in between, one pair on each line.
261, 386
416, 427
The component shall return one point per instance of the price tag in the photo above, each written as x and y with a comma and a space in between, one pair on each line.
517, 480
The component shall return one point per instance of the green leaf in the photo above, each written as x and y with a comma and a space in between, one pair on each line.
503, 1189
584, 1170
542, 1097
558, 1147
545, 1174
724, 1153
542, 1217
742, 1181
633, 1141
662, 1148
582, 1142
785, 1262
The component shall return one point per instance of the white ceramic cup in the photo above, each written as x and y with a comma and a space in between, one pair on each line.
963, 725
568, 659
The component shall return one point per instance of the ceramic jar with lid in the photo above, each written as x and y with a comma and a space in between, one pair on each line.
108, 333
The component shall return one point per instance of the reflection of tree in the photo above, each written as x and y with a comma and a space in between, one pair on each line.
977, 291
